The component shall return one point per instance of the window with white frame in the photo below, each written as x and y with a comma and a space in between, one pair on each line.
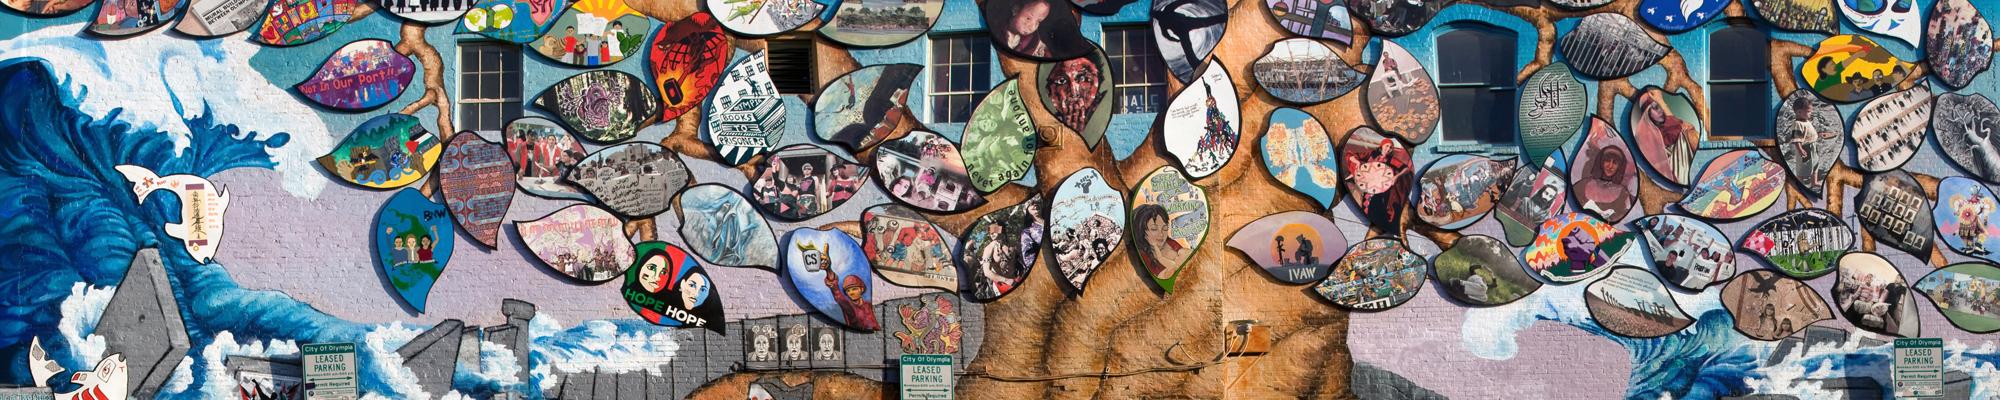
961, 73
1139, 78
489, 85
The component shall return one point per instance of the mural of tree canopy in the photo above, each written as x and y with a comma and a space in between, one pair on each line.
1057, 198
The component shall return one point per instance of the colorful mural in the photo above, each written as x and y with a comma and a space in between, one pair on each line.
1650, 243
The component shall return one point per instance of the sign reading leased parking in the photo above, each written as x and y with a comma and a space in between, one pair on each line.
926, 376
329, 371
1919, 369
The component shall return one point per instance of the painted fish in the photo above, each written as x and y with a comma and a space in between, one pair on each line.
202, 205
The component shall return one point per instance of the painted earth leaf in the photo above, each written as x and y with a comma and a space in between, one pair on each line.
386, 152
477, 180
1958, 42
924, 170
1736, 184
54, 8
1077, 92
1965, 294
1532, 195
1552, 110
1889, 130
360, 76
633, 179
1101, 7
1803, 243
721, 227
1687, 252
667, 287
427, 13
1574, 247
1086, 225
1964, 125
1872, 295
1770, 306
864, 107
218, 18
580, 241
543, 153
1037, 30
1811, 138
1294, 247
907, 249
1631, 302
744, 114
132, 17
1675, 16
1965, 217
1000, 139
881, 23
1402, 99
1852, 68
828, 271
1479, 270
1204, 122
685, 60
1000, 248
764, 17
1603, 177
1394, 19
297, 22
1324, 19
1667, 132
1375, 275
1168, 221
1457, 190
1379, 177
1816, 16
1299, 154
413, 243
1186, 32
1892, 211
1304, 71
1611, 46
593, 34
514, 21
604, 105
803, 181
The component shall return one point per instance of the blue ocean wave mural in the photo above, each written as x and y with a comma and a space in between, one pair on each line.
1710, 359
72, 227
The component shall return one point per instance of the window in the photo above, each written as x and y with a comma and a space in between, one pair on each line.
961, 72
1139, 78
489, 85
791, 62
1476, 68
1739, 85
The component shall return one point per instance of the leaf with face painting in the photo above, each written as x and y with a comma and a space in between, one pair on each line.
667, 287
1077, 92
